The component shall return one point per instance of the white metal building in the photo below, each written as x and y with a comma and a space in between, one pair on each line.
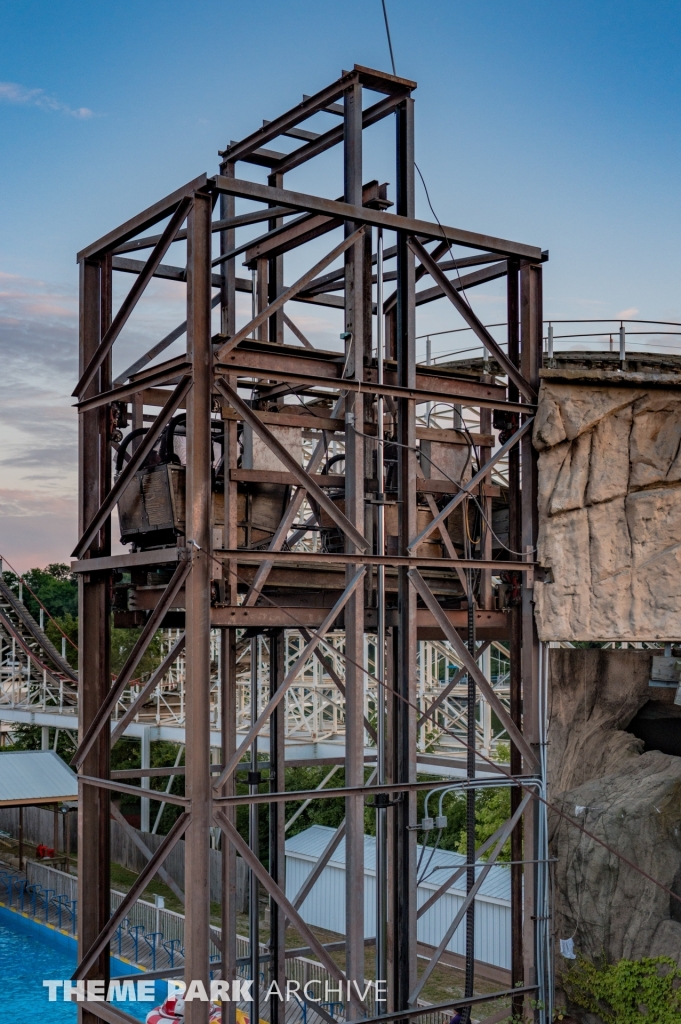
325, 906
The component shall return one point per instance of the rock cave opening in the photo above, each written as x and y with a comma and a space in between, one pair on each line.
658, 724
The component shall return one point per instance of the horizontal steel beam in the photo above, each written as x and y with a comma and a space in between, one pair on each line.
122, 787
129, 560
243, 219
459, 395
292, 363
121, 394
164, 270
519, 781
377, 81
146, 219
377, 218
245, 556
296, 617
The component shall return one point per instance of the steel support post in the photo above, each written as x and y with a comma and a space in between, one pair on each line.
197, 589
228, 329
469, 981
530, 360
276, 274
277, 823
228, 740
254, 838
94, 673
227, 269
404, 729
354, 510
515, 648
145, 782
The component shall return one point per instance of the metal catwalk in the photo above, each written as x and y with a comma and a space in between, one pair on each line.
267, 485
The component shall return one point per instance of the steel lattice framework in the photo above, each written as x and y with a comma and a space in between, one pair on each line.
279, 486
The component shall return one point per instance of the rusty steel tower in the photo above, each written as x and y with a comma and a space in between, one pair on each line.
228, 468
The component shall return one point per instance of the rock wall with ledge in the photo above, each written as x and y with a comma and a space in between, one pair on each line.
601, 777
609, 511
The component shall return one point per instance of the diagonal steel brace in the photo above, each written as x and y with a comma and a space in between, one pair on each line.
135, 293
471, 667
148, 442
470, 896
290, 677
266, 880
284, 456
131, 897
133, 660
150, 685
286, 295
468, 488
438, 275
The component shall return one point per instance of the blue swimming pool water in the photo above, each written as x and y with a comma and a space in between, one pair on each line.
26, 958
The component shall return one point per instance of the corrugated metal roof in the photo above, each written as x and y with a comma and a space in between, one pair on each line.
311, 844
35, 777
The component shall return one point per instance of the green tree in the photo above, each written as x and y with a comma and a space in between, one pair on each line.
55, 586
122, 643
492, 809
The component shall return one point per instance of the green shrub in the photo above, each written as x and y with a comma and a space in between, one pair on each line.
628, 992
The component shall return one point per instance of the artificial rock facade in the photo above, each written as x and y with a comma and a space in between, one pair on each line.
600, 775
609, 511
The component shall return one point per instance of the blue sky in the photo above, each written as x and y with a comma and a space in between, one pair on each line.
555, 124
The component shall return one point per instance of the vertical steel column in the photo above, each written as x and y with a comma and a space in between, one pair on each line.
261, 298
354, 510
228, 740
404, 841
227, 269
228, 329
197, 628
277, 823
486, 502
381, 801
514, 542
469, 981
276, 274
145, 783
93, 661
254, 839
530, 359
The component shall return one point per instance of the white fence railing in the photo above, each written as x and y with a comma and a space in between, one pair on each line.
169, 925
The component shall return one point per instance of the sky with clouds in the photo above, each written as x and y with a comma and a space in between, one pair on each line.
555, 124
